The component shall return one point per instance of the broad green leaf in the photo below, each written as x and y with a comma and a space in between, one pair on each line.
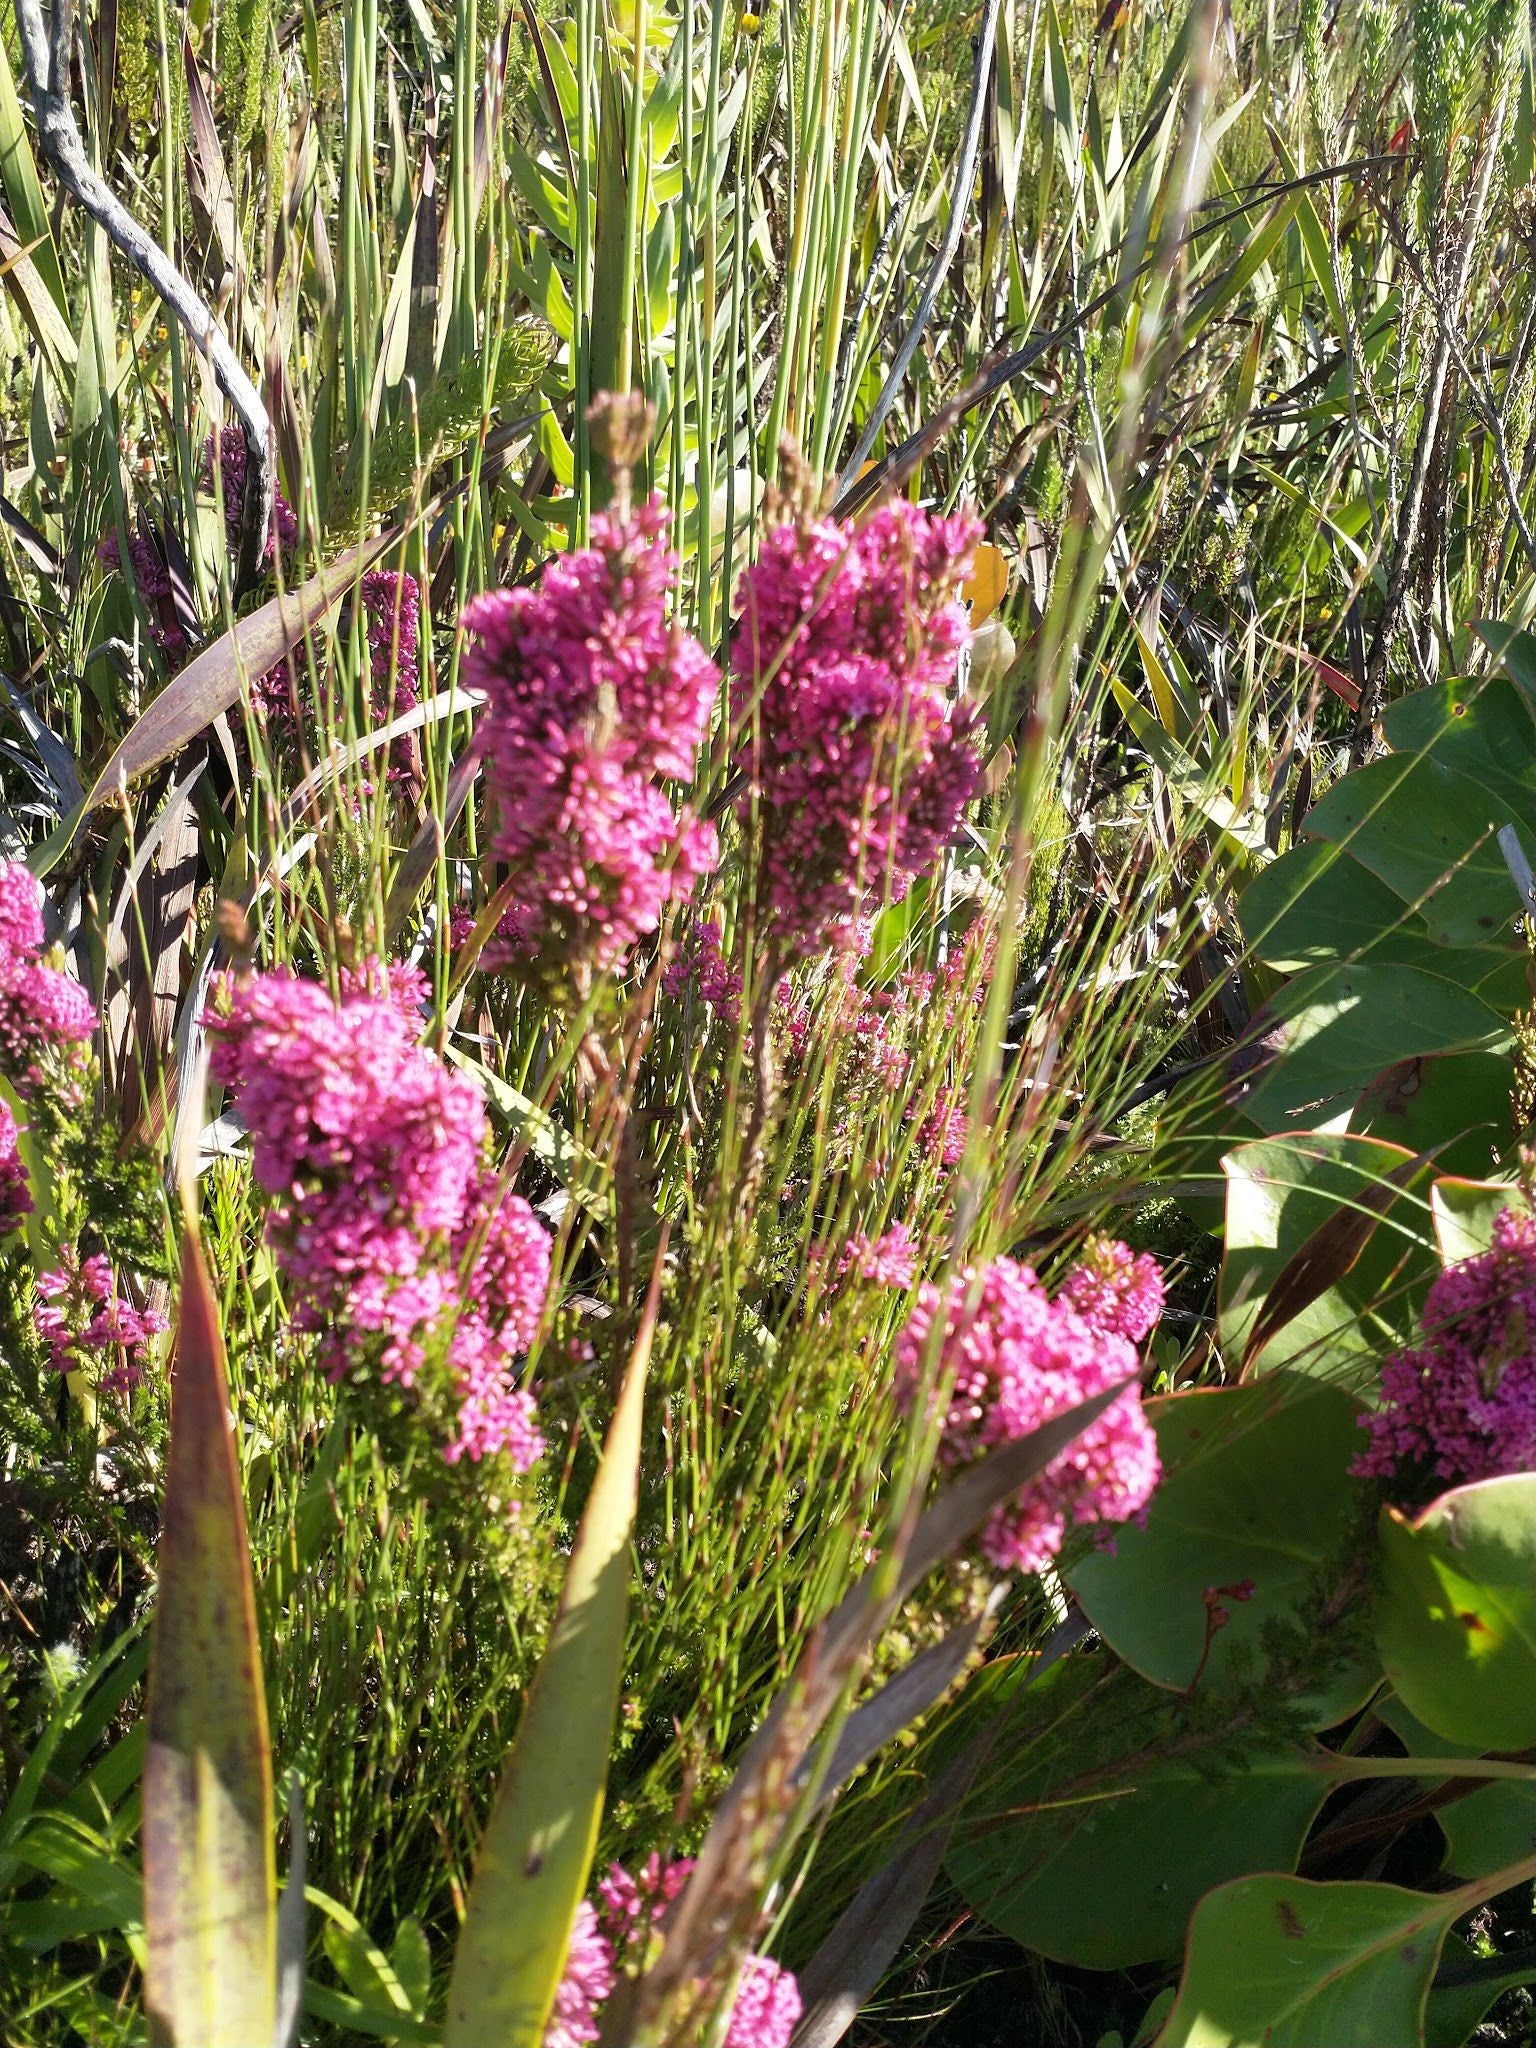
1456, 1621
1277, 1962
1485, 1826
1256, 1487
1280, 1192
1056, 1844
1464, 1212
210, 1886
536, 1852
1336, 1028
1428, 832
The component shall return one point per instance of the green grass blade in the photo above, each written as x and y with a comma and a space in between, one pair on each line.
537, 1849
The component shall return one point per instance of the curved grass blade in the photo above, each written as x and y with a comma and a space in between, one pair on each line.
537, 1848
210, 1883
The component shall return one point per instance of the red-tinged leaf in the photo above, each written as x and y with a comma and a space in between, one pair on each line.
210, 1889
211, 681
1324, 1258
1342, 685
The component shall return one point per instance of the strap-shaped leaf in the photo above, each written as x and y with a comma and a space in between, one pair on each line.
210, 1889
536, 1852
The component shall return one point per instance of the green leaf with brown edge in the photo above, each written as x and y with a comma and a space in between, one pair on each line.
536, 1852
1322, 1259
212, 679
1456, 1621
1280, 1192
210, 1886
1280, 1962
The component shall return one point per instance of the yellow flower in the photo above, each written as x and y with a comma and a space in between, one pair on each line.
750, 24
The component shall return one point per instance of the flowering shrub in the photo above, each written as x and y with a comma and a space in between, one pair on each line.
405, 1254
44, 1014
616, 1936
1015, 1358
859, 759
86, 1323
592, 699
1462, 1404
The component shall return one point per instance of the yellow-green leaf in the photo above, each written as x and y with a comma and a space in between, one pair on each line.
536, 1852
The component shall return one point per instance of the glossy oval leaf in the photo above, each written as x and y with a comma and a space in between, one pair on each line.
1088, 1844
1277, 1962
536, 1852
1256, 1491
210, 1887
1456, 1622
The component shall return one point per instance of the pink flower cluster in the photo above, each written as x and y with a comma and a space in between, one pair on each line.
85, 1322
593, 697
887, 1261
1016, 1359
15, 1201
1462, 1406
615, 1936
699, 971
283, 534
402, 1248
41, 1010
859, 759
152, 578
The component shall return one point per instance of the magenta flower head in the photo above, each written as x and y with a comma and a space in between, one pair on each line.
402, 1251
618, 1936
594, 699
15, 1199
88, 1326
1014, 1359
1462, 1406
234, 457
858, 756
44, 1013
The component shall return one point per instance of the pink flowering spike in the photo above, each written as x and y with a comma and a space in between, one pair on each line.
45, 1015
283, 533
888, 1261
1014, 1359
588, 1980
1114, 1290
593, 697
859, 759
87, 1326
404, 1256
767, 2008
1462, 1406
21, 910
15, 1199
699, 972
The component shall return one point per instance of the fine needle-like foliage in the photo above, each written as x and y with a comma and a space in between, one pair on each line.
767, 1040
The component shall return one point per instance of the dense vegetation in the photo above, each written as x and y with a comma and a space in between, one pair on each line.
767, 1042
